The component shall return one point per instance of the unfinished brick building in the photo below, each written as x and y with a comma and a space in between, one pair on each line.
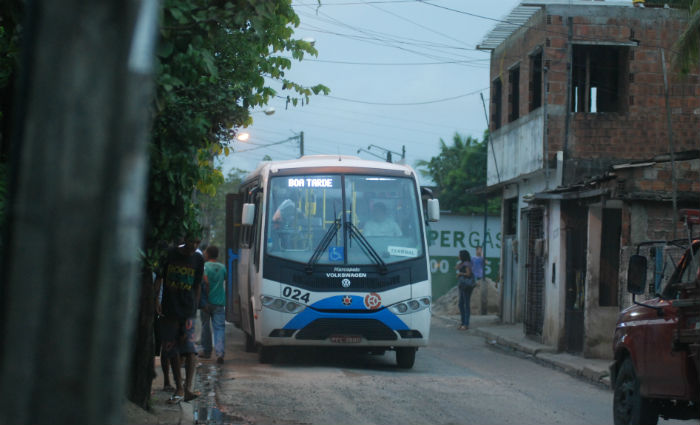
583, 92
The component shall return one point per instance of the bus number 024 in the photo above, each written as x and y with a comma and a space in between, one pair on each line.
295, 294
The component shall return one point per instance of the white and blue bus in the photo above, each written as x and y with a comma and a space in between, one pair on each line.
330, 251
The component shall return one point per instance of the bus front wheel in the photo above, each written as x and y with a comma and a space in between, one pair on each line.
405, 357
266, 355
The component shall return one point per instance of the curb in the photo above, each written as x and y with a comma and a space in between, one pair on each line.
545, 355
517, 346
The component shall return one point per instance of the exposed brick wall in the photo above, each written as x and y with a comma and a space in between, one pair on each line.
657, 177
653, 218
640, 130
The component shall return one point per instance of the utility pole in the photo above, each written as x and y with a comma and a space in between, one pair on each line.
301, 144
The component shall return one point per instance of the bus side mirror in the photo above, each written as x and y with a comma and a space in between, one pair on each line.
433, 210
248, 215
637, 274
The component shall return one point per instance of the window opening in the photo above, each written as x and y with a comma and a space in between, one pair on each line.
514, 81
497, 105
535, 81
598, 84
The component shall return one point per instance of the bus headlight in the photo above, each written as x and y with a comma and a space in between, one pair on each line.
279, 304
410, 306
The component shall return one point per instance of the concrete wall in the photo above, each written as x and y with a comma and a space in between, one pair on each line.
555, 269
517, 149
599, 322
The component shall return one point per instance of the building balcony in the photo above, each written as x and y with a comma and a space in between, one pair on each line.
518, 149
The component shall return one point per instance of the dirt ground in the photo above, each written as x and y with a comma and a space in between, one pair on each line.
447, 304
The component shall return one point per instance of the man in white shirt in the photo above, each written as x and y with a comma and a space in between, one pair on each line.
381, 224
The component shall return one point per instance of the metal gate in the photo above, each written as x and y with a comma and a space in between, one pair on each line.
534, 302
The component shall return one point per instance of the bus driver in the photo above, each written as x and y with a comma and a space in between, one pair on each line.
381, 224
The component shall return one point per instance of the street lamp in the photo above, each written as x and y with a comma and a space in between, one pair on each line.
371, 153
388, 152
244, 137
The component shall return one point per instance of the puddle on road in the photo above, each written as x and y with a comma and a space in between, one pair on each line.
214, 416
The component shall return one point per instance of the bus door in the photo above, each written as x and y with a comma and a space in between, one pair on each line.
234, 202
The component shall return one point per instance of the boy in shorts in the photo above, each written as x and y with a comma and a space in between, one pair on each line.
181, 277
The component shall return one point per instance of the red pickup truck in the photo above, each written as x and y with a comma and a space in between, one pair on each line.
657, 344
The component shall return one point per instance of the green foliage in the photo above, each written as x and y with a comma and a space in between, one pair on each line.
9, 43
10, 34
213, 209
458, 170
687, 47
212, 61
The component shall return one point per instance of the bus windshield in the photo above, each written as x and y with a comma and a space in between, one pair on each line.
343, 219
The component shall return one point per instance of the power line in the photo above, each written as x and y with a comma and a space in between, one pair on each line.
387, 38
414, 23
446, 99
469, 61
379, 38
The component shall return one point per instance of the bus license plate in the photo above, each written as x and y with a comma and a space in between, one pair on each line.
346, 339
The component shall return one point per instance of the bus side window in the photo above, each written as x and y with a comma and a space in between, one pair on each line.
255, 232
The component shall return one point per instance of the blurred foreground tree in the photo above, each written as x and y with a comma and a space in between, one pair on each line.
80, 123
459, 168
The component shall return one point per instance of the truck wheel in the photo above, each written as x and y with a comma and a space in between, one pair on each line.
629, 407
405, 357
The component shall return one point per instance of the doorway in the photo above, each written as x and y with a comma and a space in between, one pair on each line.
576, 218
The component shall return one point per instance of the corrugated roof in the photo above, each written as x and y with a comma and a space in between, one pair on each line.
524, 11
517, 17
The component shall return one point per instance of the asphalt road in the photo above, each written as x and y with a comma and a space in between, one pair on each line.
457, 379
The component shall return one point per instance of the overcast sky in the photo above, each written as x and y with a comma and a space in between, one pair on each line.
401, 73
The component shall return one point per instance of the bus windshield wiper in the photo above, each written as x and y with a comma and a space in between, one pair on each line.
325, 241
366, 246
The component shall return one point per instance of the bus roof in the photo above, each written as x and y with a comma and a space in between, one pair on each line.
327, 161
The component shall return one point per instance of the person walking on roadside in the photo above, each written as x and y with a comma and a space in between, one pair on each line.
181, 279
466, 285
478, 263
213, 313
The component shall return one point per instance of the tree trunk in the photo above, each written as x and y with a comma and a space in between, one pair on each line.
76, 220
